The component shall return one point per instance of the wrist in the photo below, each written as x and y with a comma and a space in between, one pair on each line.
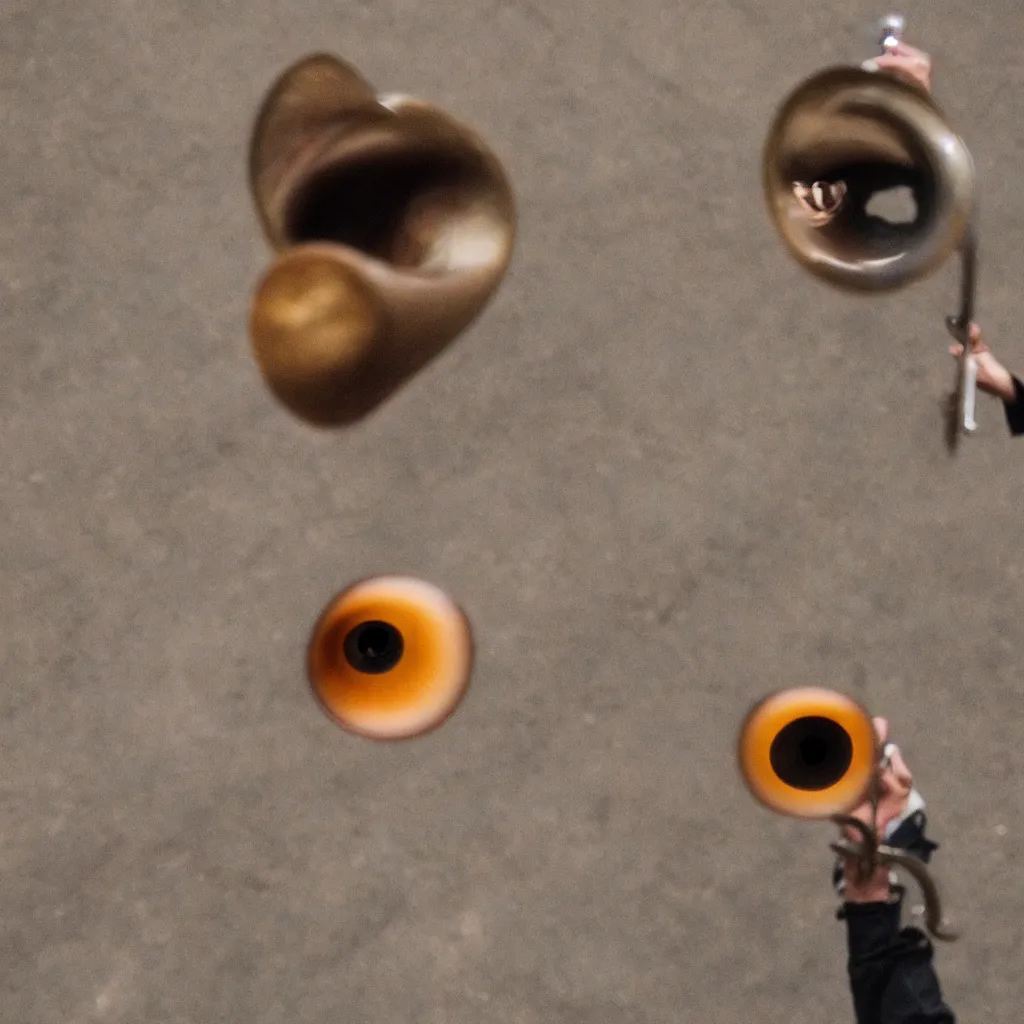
996, 378
1004, 386
874, 889
868, 893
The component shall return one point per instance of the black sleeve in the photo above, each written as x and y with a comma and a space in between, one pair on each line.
892, 979
1015, 409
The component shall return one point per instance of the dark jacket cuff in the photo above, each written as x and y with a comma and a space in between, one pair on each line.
1015, 409
871, 927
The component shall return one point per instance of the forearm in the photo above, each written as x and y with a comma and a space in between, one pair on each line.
871, 929
892, 979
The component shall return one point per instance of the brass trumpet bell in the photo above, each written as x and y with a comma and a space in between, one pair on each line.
393, 225
390, 658
863, 129
808, 753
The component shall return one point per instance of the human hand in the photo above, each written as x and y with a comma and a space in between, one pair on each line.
819, 202
906, 62
993, 378
895, 784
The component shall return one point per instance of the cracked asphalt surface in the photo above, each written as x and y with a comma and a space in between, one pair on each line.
665, 473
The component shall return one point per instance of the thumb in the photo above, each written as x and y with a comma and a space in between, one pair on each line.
956, 350
881, 729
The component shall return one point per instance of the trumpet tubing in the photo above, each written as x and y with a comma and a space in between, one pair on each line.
392, 224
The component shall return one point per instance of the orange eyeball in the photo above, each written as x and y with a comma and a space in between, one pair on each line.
808, 753
390, 658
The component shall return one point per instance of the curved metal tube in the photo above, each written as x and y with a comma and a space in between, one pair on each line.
870, 854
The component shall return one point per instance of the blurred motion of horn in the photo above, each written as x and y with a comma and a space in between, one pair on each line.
393, 225
808, 753
390, 658
873, 133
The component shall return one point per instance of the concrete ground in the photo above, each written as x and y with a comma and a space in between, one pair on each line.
666, 473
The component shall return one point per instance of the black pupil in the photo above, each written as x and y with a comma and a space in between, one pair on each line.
374, 647
811, 753
813, 750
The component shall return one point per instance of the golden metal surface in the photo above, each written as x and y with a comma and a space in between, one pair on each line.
838, 122
394, 225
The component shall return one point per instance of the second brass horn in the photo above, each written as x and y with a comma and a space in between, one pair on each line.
393, 224
855, 126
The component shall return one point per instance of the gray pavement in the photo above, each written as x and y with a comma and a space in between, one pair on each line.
665, 473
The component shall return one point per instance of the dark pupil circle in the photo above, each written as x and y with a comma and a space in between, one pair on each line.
813, 750
374, 647
811, 753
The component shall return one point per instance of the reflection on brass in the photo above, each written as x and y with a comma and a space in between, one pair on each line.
866, 129
390, 658
393, 226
